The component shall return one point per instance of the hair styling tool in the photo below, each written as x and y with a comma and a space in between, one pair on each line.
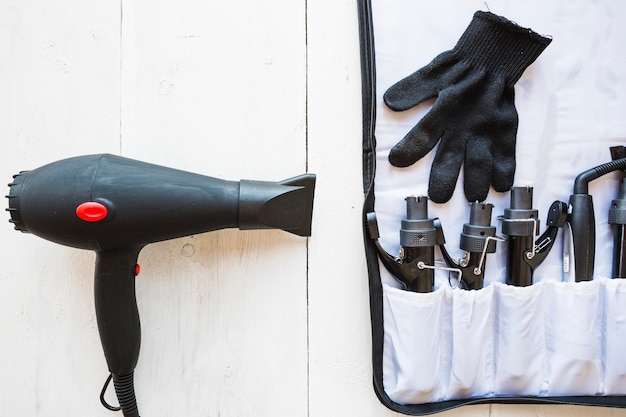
477, 239
521, 225
582, 219
115, 206
414, 268
617, 217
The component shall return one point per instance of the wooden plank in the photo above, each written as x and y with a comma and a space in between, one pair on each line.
220, 89
339, 326
217, 88
60, 97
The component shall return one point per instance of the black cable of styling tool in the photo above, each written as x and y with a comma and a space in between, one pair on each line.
617, 217
477, 239
521, 225
582, 219
103, 401
415, 267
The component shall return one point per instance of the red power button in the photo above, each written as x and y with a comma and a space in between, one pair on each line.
92, 211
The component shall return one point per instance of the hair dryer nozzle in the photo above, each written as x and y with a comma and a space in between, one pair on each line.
286, 205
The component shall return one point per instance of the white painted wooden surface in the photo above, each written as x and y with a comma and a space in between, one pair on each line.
257, 323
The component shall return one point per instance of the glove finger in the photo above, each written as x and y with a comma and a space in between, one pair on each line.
445, 169
503, 171
504, 150
417, 143
477, 170
424, 136
424, 83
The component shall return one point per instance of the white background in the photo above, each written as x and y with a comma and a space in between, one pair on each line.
255, 323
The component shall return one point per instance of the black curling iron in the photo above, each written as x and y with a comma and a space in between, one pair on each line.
477, 240
617, 217
115, 206
521, 224
582, 219
414, 267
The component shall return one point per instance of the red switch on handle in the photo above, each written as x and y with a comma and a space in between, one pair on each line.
92, 211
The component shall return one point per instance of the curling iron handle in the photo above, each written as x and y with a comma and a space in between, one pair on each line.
619, 251
582, 222
116, 309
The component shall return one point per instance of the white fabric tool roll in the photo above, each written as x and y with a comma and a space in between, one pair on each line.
555, 337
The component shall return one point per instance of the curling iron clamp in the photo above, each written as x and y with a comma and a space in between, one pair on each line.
415, 267
521, 224
477, 239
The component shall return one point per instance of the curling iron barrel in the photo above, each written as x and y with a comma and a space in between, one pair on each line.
617, 217
476, 231
520, 224
414, 268
418, 239
477, 239
115, 206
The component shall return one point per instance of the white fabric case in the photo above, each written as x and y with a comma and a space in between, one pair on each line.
554, 341
549, 339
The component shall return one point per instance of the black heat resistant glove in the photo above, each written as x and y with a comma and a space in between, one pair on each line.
474, 114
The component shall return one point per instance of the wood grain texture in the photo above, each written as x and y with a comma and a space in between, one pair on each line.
60, 96
219, 89
234, 323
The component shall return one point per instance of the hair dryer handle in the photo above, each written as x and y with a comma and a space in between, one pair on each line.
118, 320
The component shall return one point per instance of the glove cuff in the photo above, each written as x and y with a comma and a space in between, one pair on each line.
500, 46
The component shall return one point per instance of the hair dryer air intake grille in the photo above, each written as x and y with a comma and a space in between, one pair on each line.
14, 203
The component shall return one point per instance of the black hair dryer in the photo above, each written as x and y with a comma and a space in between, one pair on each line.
115, 206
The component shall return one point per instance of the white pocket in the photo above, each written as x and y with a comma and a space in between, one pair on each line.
472, 343
519, 340
615, 356
574, 326
548, 339
416, 361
